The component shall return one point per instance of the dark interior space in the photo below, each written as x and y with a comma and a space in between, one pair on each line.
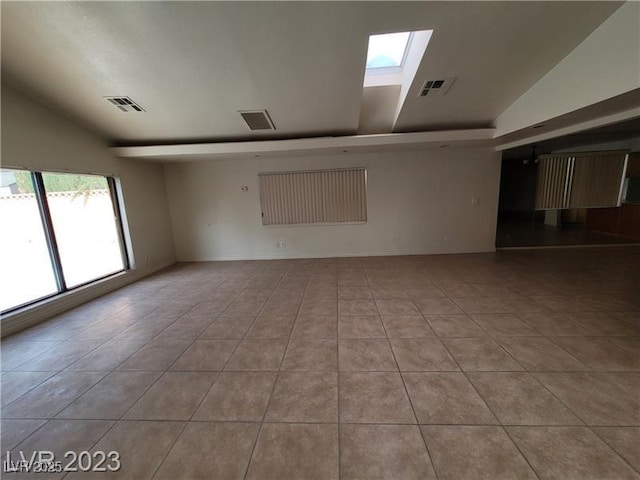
520, 224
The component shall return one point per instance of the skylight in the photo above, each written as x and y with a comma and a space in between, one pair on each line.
387, 50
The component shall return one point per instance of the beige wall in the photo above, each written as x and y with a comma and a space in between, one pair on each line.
36, 138
415, 200
605, 64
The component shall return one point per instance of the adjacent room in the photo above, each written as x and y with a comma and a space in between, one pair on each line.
320, 240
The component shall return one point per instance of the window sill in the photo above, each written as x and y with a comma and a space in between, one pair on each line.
328, 224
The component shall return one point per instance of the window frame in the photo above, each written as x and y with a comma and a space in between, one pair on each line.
50, 237
393, 68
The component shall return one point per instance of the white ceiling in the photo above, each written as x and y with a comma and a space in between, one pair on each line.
192, 65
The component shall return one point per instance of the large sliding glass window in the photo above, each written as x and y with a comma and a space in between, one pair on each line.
59, 231
26, 273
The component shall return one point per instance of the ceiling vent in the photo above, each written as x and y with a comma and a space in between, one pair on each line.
440, 87
125, 104
257, 119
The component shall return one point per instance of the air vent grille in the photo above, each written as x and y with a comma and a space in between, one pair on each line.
436, 87
125, 104
257, 119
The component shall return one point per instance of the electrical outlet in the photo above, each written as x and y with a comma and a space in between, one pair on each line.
280, 244
447, 239
475, 201
244, 188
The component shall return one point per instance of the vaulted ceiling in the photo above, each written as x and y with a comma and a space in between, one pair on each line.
193, 65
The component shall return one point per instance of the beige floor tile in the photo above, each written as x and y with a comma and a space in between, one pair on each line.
210, 451
107, 356
393, 307
14, 384
569, 453
281, 308
142, 445
300, 451
51, 396
374, 397
15, 431
271, 327
227, 328
624, 440
321, 307
519, 399
316, 326
244, 307
360, 326
552, 323
406, 326
365, 354
111, 397
354, 292
540, 354
304, 397
205, 355
306, 354
356, 307
503, 325
146, 329
437, 306
564, 303
389, 293
422, 354
480, 354
597, 398
186, 328
155, 355
570, 316
632, 318
237, 396
471, 305
383, 452
461, 290
419, 292
454, 326
599, 353
254, 354
58, 358
472, 452
59, 437
14, 352
175, 396
629, 344
519, 303
603, 324
446, 398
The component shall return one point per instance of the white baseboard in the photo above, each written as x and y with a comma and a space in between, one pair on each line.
39, 312
229, 258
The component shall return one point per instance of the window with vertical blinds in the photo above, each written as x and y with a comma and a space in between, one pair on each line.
321, 196
580, 180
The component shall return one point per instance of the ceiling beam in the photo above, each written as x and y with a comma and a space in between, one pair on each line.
186, 152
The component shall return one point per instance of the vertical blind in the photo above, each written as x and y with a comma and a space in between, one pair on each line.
583, 180
553, 180
323, 196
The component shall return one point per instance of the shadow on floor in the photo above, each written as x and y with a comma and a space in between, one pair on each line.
540, 235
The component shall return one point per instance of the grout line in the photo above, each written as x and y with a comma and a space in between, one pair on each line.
166, 455
406, 391
275, 381
500, 424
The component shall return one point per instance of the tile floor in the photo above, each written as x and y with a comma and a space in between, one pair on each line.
512, 365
